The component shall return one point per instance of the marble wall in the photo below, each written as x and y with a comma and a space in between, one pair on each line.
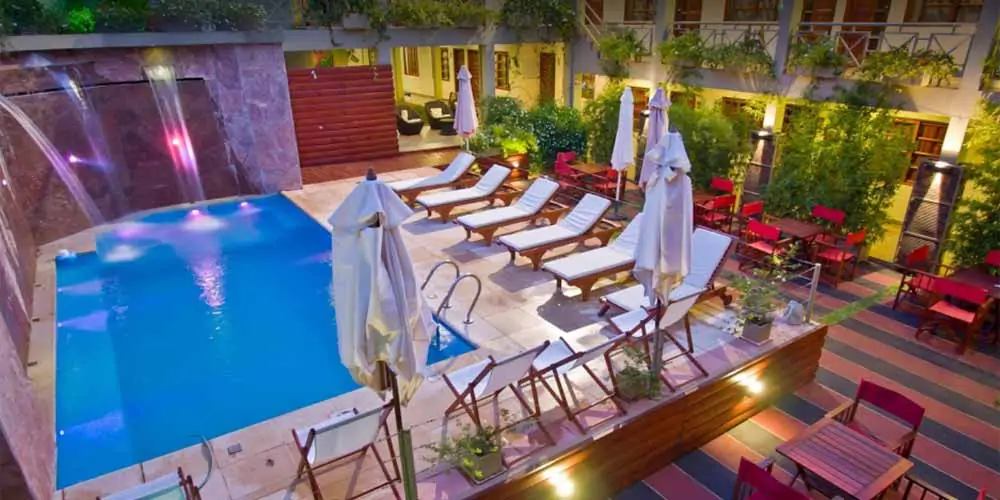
236, 105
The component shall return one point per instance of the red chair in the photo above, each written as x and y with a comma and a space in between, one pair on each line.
567, 175
752, 210
722, 185
717, 212
841, 253
755, 482
993, 258
913, 488
960, 309
914, 284
605, 182
762, 242
829, 215
889, 401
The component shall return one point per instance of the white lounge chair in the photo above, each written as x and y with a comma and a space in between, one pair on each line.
527, 208
583, 269
343, 436
579, 225
641, 322
167, 487
444, 202
559, 359
409, 189
709, 251
488, 378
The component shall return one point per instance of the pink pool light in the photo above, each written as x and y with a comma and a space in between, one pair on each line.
73, 158
244, 204
195, 212
176, 142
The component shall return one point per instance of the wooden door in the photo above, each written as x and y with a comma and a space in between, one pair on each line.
687, 11
458, 60
547, 77
595, 11
817, 11
860, 40
472, 56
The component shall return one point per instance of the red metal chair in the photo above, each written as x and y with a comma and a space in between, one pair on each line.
889, 401
751, 210
762, 243
960, 309
992, 258
840, 253
829, 215
717, 212
912, 488
605, 182
722, 185
914, 284
755, 482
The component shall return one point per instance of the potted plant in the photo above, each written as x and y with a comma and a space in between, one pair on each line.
477, 452
514, 145
618, 48
636, 380
758, 300
686, 50
817, 57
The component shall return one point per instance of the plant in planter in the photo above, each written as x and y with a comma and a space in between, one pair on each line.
759, 292
180, 15
236, 15
553, 20
80, 20
891, 66
683, 56
748, 54
817, 57
619, 47
636, 380
503, 140
477, 451
937, 66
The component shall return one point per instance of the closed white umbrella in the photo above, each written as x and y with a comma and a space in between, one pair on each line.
466, 121
663, 253
656, 125
623, 153
381, 315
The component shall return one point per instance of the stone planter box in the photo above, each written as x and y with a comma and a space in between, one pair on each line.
755, 333
491, 465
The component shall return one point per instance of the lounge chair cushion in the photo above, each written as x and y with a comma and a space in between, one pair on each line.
709, 248
463, 377
530, 203
162, 488
487, 185
456, 169
583, 217
619, 253
341, 434
634, 297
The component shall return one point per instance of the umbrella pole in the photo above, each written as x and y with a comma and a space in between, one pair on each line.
618, 199
656, 363
408, 472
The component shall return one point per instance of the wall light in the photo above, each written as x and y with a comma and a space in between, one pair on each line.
752, 384
563, 486
762, 134
942, 165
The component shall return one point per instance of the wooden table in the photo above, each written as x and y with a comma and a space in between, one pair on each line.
800, 230
702, 196
590, 168
978, 278
849, 461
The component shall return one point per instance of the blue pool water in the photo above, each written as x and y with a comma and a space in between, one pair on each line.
188, 324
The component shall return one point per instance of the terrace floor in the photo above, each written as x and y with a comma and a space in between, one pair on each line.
958, 446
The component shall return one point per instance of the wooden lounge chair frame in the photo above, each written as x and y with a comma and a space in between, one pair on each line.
603, 230
310, 470
586, 283
409, 195
551, 212
184, 483
505, 194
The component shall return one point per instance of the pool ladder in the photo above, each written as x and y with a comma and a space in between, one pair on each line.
459, 277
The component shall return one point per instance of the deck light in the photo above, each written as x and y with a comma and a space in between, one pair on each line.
561, 482
752, 384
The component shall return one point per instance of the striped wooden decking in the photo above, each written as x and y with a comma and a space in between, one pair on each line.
958, 450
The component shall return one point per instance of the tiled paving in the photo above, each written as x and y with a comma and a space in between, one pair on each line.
958, 450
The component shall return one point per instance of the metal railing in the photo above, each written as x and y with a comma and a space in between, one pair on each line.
857, 40
729, 32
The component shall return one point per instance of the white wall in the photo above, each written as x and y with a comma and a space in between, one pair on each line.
420, 86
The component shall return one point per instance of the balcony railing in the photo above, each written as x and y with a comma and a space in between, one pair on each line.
730, 32
855, 41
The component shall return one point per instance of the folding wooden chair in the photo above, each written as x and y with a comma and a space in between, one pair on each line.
722, 185
840, 253
960, 309
346, 435
168, 486
889, 401
716, 213
674, 312
913, 281
762, 242
559, 359
755, 482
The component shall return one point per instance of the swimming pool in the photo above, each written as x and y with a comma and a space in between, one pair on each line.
194, 322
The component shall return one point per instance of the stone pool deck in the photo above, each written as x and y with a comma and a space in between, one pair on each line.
518, 309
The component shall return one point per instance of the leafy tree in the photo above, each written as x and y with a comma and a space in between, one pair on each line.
557, 129
601, 119
718, 145
975, 228
845, 156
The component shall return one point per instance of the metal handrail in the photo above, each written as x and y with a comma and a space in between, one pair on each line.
447, 298
434, 269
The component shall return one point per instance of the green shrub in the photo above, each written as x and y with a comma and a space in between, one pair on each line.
119, 17
496, 110
619, 47
180, 15
541, 17
718, 145
847, 157
28, 17
505, 140
600, 116
975, 228
812, 56
80, 20
237, 15
556, 129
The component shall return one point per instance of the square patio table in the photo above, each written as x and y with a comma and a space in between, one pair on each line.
852, 463
800, 230
978, 278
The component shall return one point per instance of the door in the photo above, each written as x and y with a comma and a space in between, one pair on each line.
595, 11
458, 60
817, 11
687, 11
547, 77
472, 56
864, 39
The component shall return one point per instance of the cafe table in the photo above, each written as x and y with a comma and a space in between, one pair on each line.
797, 229
851, 463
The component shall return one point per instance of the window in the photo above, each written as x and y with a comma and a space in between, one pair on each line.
927, 140
588, 84
686, 99
944, 11
411, 61
503, 70
751, 10
639, 11
445, 66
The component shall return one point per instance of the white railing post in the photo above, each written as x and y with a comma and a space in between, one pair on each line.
812, 291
